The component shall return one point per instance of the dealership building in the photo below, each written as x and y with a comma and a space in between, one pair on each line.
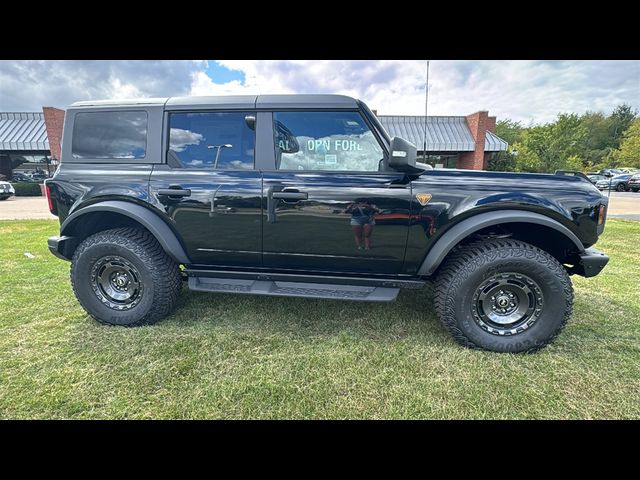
31, 140
465, 142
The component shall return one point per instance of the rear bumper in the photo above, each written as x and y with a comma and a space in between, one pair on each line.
591, 263
59, 246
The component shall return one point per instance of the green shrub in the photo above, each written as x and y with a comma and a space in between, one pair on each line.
27, 189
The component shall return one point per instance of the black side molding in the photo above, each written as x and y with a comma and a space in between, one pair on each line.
147, 218
458, 232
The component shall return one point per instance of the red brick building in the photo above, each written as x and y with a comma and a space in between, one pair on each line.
451, 142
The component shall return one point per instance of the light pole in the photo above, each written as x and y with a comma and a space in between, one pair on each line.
219, 147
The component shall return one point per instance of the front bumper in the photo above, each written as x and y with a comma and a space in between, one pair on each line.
60, 247
591, 263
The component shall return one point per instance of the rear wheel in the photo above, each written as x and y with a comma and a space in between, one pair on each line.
124, 277
621, 187
503, 295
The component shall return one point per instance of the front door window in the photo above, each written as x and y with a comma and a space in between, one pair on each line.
329, 141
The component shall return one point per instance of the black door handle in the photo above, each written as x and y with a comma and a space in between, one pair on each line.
175, 191
291, 195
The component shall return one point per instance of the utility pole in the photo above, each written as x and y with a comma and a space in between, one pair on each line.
426, 110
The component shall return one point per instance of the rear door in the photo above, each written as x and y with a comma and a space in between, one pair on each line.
216, 203
330, 203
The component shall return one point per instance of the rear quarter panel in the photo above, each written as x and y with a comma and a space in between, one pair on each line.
78, 184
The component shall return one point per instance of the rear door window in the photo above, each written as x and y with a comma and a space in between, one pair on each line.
119, 134
216, 140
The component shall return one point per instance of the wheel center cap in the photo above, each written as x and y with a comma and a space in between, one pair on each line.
503, 301
121, 280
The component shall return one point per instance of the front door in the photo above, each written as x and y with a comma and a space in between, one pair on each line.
329, 204
217, 205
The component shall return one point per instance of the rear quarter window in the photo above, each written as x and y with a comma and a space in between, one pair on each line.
121, 134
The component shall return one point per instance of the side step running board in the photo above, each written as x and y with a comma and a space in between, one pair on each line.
293, 289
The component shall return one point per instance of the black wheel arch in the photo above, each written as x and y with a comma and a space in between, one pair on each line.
466, 228
111, 214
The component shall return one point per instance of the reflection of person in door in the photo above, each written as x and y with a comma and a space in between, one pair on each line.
362, 221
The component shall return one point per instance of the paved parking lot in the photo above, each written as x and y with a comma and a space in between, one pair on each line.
621, 205
624, 205
25, 208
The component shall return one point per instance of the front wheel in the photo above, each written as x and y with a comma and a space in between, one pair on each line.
124, 277
503, 295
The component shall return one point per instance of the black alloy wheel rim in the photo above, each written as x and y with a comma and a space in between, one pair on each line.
507, 303
116, 282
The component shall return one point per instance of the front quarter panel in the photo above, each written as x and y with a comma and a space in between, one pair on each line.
457, 195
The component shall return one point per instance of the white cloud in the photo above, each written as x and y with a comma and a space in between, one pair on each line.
529, 91
28, 85
181, 138
521, 90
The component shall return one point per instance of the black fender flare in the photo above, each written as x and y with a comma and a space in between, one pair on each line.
147, 218
466, 227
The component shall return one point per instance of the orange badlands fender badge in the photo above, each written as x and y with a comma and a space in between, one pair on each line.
423, 198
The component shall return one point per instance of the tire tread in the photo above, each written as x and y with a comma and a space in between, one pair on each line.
165, 272
480, 253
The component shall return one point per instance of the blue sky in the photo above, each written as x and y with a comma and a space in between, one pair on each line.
220, 74
528, 91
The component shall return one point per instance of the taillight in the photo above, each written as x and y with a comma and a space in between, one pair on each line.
49, 200
601, 214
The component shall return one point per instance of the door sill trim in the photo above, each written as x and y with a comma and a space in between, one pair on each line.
306, 278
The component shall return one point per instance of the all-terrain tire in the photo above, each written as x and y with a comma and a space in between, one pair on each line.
466, 277
157, 275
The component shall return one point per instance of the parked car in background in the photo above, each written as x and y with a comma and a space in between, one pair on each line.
634, 183
611, 171
38, 176
21, 177
618, 183
630, 170
595, 178
6, 190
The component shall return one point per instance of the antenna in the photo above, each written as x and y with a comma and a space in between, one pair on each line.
426, 109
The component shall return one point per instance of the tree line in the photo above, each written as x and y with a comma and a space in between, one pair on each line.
588, 143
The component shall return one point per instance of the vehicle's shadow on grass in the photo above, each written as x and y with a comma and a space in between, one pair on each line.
411, 315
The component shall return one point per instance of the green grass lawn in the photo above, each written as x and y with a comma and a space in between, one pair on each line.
232, 356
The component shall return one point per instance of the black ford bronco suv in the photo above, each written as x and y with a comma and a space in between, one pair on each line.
307, 196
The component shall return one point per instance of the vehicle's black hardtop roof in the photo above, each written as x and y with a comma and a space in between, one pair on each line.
232, 102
